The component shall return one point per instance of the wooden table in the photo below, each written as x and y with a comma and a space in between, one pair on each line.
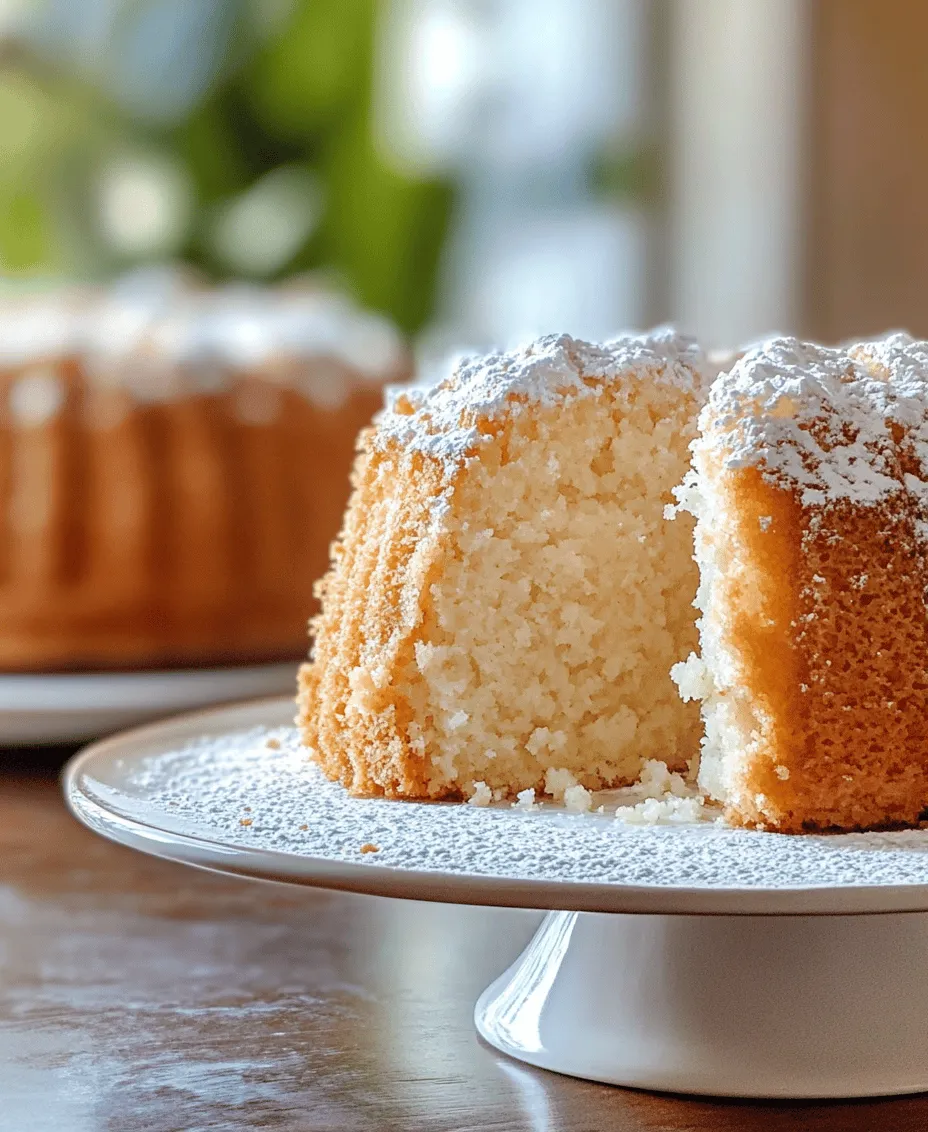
136, 994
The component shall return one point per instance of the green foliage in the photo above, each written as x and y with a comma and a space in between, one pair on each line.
25, 235
299, 97
319, 66
382, 228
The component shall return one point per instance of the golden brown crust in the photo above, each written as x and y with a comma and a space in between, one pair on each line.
836, 661
171, 533
375, 602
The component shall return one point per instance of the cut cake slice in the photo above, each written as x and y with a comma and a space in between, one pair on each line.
506, 599
810, 487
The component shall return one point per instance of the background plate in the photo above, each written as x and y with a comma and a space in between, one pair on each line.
232, 790
74, 707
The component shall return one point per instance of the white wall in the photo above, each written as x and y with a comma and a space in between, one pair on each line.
737, 76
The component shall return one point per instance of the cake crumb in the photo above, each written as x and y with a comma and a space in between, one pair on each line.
577, 799
669, 810
662, 797
244, 821
370, 847
482, 795
304, 826
693, 679
563, 787
557, 782
273, 743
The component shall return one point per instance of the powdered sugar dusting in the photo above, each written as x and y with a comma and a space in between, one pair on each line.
210, 787
443, 419
821, 420
162, 319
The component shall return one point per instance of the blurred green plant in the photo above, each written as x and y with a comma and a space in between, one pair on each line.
232, 134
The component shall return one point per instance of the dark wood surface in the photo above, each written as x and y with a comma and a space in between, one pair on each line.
139, 994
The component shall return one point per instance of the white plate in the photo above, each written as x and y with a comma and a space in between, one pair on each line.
75, 707
206, 789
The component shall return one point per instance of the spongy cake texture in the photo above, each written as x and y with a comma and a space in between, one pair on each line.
506, 599
810, 485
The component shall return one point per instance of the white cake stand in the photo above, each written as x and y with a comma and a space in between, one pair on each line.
695, 959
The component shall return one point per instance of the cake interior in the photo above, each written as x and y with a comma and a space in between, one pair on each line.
733, 542
563, 601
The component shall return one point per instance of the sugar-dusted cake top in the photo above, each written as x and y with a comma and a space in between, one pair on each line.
166, 317
444, 418
829, 422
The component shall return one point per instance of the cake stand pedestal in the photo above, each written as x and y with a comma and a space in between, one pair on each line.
742, 1006
807, 981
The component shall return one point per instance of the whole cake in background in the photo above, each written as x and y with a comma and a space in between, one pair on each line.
507, 599
173, 466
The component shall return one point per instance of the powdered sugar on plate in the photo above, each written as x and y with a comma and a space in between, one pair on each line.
255, 789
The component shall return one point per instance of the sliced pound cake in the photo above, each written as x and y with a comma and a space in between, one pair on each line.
506, 599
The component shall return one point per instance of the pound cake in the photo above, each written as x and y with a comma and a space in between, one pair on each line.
810, 487
506, 599
173, 466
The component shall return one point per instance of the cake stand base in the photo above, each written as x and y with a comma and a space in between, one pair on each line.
744, 1006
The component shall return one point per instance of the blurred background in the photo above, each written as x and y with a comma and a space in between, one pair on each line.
481, 170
